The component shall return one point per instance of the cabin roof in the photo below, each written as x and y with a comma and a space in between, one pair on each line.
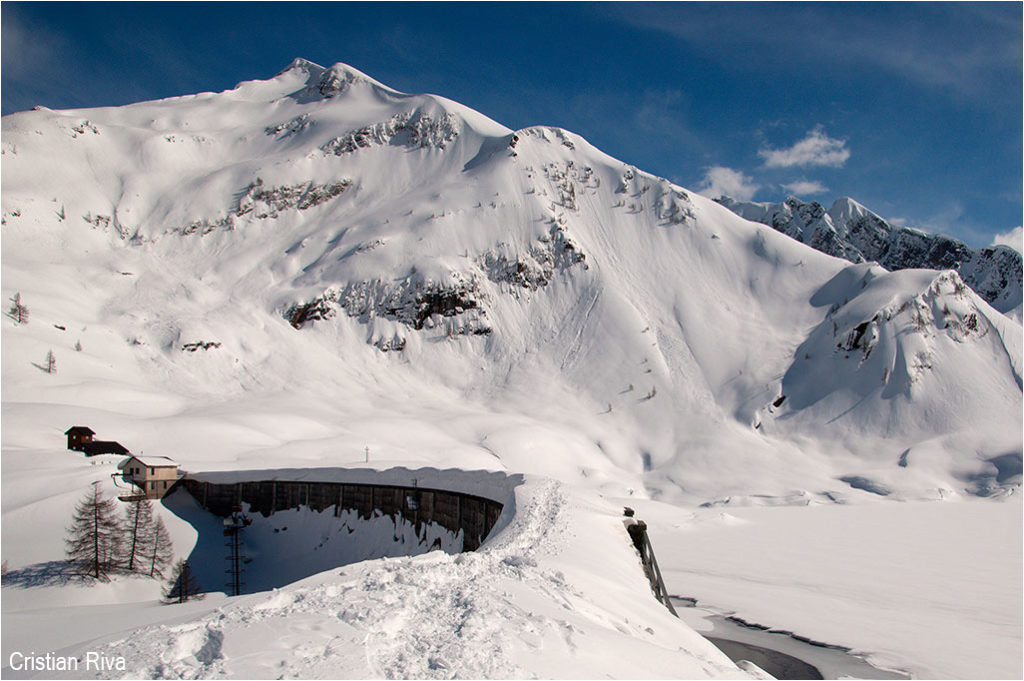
151, 461
79, 430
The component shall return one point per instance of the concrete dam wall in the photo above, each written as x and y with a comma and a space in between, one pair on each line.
472, 515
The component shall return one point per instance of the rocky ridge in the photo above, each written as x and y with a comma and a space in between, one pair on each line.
850, 231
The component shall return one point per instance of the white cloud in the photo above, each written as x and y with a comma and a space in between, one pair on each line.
1014, 239
720, 181
805, 187
816, 149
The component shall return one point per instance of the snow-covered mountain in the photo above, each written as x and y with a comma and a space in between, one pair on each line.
366, 254
317, 271
850, 231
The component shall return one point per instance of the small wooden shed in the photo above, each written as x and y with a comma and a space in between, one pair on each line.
78, 436
153, 475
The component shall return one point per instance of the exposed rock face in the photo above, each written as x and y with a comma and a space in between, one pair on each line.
414, 301
850, 231
262, 202
414, 129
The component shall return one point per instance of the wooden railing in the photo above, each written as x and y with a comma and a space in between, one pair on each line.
638, 533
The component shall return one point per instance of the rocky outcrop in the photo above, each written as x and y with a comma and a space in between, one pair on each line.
415, 129
262, 202
417, 302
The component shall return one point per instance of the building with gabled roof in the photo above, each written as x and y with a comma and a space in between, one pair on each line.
78, 436
153, 475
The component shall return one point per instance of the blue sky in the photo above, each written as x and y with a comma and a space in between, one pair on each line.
913, 109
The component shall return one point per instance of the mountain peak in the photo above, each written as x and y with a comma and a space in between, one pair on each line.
845, 209
326, 82
300, 64
850, 231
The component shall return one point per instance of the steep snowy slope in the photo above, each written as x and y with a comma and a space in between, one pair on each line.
335, 259
318, 271
850, 231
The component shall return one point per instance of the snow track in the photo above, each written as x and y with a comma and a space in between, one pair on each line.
442, 624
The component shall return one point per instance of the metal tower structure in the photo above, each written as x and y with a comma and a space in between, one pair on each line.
233, 526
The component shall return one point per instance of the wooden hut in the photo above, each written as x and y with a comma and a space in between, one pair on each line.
79, 436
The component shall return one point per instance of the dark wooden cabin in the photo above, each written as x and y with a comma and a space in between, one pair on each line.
78, 436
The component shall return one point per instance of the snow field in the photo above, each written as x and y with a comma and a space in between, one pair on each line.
929, 588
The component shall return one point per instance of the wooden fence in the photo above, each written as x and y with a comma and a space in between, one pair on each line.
474, 516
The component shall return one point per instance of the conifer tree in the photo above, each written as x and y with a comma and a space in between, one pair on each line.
139, 532
94, 541
18, 312
160, 550
182, 584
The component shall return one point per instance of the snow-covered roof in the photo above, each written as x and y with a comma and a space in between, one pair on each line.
151, 461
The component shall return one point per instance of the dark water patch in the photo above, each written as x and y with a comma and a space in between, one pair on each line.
779, 665
1008, 468
783, 654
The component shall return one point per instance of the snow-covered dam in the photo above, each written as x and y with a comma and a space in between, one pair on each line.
305, 521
